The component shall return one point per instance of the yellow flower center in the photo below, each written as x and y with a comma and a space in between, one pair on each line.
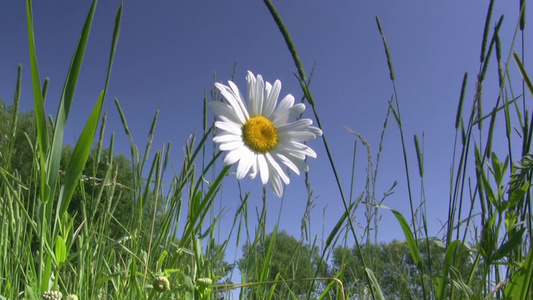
260, 134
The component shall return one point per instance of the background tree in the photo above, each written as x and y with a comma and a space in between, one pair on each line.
394, 268
23, 148
290, 259
101, 170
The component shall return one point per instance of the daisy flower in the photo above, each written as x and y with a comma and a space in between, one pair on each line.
262, 135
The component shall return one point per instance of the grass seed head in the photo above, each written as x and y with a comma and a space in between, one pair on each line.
52, 295
161, 284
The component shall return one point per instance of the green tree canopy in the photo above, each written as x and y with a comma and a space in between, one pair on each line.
394, 268
290, 259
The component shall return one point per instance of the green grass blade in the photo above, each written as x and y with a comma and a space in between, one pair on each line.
411, 242
514, 242
440, 291
38, 103
287, 37
520, 282
65, 103
374, 284
83, 147
46, 273
522, 14
79, 157
268, 256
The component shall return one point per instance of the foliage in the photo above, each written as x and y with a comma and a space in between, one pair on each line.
394, 268
291, 260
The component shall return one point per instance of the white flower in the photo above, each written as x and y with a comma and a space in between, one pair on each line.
260, 135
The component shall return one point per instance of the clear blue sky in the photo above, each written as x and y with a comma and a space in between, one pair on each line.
169, 50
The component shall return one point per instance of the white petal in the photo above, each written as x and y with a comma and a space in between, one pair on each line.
221, 109
289, 163
284, 112
300, 163
271, 98
299, 135
234, 100
296, 149
231, 145
252, 105
226, 137
253, 169
296, 111
229, 127
276, 186
240, 99
295, 126
245, 163
296, 158
304, 149
286, 103
316, 131
233, 156
258, 95
263, 168
276, 169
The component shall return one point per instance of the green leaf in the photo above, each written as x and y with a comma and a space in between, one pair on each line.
83, 146
514, 242
38, 103
266, 264
67, 96
374, 284
162, 257
520, 283
80, 154
516, 196
448, 260
46, 273
411, 242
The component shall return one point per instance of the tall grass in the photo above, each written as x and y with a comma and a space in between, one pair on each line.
148, 238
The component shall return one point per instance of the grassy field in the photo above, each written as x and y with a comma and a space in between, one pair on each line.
82, 222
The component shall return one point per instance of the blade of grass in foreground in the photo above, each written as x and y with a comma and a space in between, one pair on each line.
520, 283
83, 146
67, 96
38, 103
409, 237
305, 89
378, 294
441, 280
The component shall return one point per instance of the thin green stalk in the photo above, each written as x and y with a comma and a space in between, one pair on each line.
398, 117
292, 48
